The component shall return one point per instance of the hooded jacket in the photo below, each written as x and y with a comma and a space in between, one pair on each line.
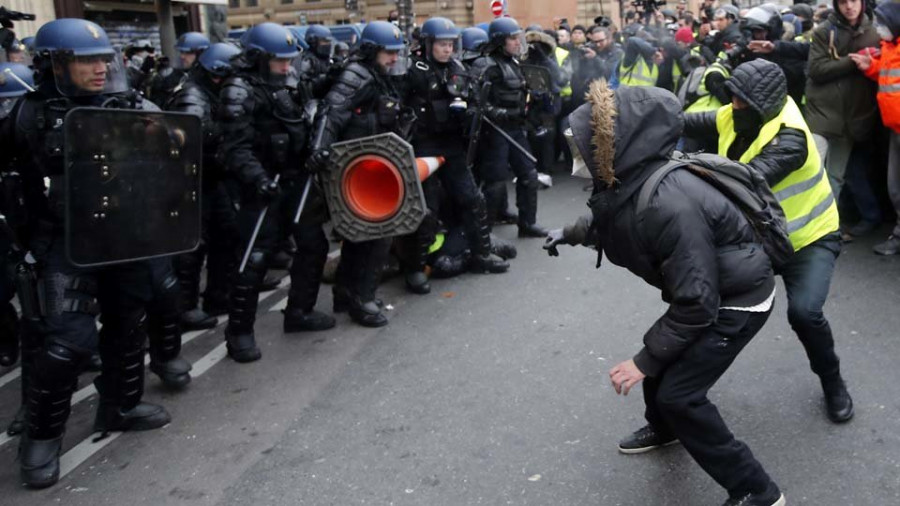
691, 242
762, 85
840, 101
885, 64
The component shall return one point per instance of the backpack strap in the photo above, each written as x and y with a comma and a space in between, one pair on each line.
652, 183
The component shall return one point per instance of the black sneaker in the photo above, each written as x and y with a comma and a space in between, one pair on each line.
771, 497
645, 439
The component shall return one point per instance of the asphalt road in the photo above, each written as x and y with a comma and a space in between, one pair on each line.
491, 390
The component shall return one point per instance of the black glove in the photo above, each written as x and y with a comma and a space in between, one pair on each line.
149, 63
267, 189
555, 237
318, 161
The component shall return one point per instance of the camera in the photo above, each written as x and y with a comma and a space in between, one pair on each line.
7, 36
647, 6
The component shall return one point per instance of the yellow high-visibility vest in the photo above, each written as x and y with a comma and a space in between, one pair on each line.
707, 101
561, 55
805, 194
639, 74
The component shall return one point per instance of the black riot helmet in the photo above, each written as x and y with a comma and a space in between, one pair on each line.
320, 40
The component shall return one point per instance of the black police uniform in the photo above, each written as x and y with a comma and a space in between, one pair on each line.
316, 73
265, 134
74, 296
199, 95
9, 338
362, 102
431, 89
507, 106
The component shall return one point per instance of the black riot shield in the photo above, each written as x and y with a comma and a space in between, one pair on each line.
132, 184
537, 78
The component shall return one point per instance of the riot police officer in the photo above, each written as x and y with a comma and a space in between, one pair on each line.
472, 38
363, 102
166, 78
11, 91
12, 87
437, 90
265, 133
315, 66
341, 53
506, 104
199, 95
82, 69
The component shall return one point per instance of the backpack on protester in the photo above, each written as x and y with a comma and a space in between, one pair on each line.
745, 187
688, 92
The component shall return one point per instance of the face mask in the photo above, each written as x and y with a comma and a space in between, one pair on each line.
746, 121
884, 32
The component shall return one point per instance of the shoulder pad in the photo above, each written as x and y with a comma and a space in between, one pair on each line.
146, 105
236, 90
190, 98
356, 71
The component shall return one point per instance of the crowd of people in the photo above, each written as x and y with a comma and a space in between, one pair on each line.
792, 93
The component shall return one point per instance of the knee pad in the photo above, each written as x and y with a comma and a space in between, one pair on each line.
58, 364
65, 293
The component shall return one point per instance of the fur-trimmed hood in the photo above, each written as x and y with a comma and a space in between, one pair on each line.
543, 38
623, 135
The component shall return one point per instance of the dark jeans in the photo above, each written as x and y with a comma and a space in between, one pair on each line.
807, 279
677, 403
857, 181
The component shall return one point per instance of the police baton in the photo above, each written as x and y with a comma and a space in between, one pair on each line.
303, 199
10, 73
509, 139
259, 222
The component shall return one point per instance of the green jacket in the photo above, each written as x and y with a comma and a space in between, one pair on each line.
840, 100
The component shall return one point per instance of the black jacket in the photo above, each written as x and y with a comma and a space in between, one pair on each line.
762, 85
692, 242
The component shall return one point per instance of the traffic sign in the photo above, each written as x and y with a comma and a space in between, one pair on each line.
497, 8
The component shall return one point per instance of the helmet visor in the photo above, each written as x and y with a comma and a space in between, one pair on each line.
442, 50
89, 74
515, 45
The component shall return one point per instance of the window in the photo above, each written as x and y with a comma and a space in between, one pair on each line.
287, 2
252, 3
234, 4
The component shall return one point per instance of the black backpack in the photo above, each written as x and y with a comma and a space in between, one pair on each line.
744, 186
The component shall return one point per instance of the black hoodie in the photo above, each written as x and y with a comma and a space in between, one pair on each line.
692, 242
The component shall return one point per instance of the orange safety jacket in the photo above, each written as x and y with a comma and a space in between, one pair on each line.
886, 70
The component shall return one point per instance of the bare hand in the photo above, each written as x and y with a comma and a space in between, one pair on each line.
590, 53
862, 61
624, 376
761, 46
658, 58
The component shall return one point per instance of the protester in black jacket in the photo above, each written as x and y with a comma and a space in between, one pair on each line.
696, 246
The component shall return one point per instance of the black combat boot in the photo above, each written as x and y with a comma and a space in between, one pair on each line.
121, 384
306, 278
838, 403
239, 337
188, 268
479, 234
527, 201
51, 383
164, 321
503, 248
415, 276
368, 259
